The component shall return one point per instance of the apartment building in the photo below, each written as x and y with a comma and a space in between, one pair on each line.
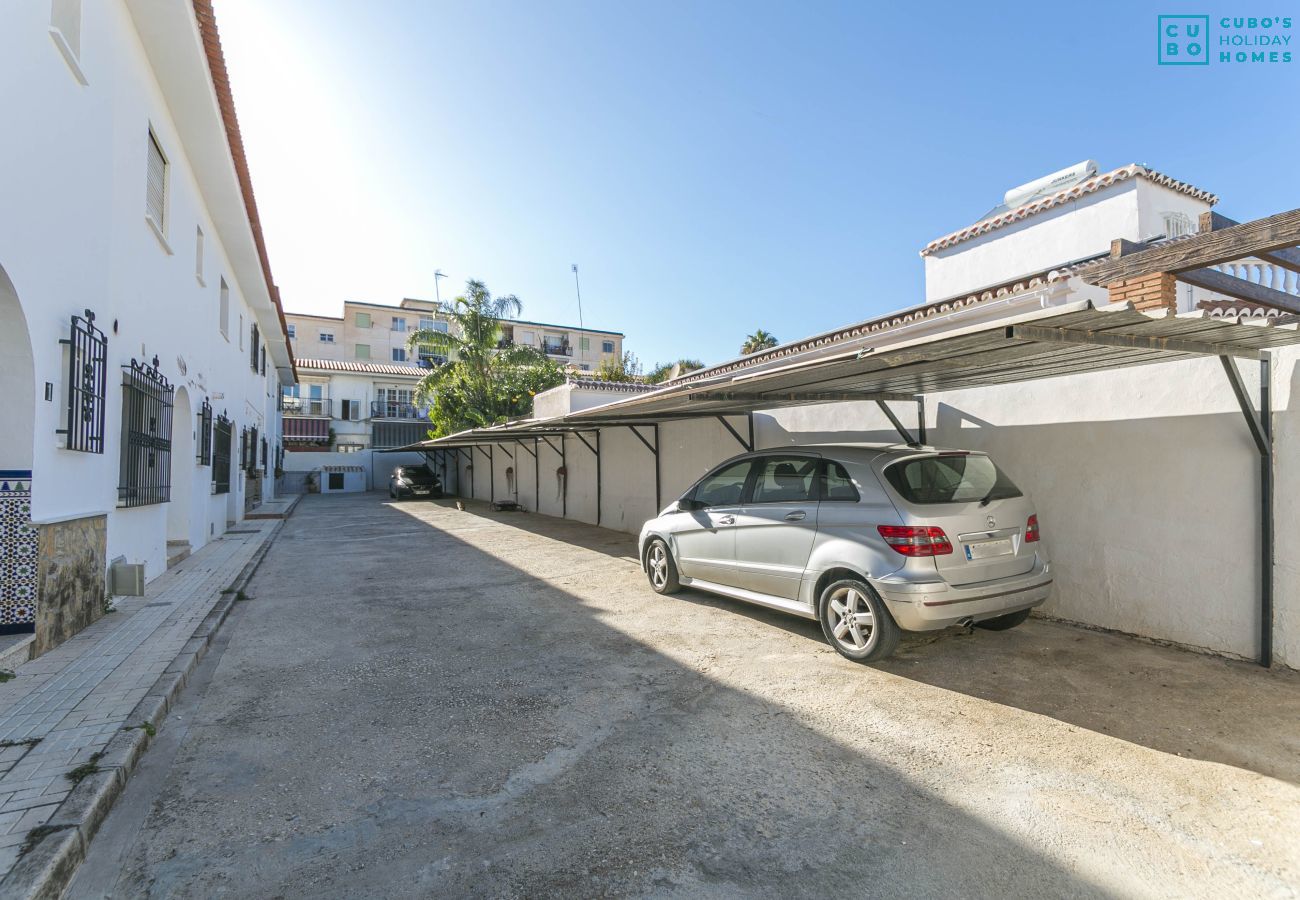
376, 333
141, 334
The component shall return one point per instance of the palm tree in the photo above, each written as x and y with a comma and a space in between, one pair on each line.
759, 340
481, 383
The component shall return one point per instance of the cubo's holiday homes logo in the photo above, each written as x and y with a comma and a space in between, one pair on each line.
1186, 40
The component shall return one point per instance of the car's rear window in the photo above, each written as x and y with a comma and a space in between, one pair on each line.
950, 478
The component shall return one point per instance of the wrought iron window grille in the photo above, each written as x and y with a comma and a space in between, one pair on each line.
205, 433
266, 461
253, 347
145, 473
222, 438
87, 385
251, 465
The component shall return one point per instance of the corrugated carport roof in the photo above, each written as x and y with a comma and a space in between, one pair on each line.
1064, 340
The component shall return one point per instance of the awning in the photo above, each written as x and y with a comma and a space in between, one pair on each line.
1066, 340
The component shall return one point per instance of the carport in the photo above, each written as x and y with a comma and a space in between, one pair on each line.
1066, 340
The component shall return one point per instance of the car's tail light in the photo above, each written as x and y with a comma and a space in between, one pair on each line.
1031, 529
912, 540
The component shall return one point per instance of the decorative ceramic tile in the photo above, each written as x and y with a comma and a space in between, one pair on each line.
18, 551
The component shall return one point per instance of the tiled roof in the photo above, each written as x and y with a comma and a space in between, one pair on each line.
596, 384
884, 323
1242, 308
1088, 186
371, 368
207, 22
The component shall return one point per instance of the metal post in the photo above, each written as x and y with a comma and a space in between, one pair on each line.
564, 461
1266, 515
492, 474
537, 480
597, 476
920, 418
750, 416
659, 500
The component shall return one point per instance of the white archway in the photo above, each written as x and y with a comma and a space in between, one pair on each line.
18, 541
179, 509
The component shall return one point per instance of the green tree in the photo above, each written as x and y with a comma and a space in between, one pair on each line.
660, 373
759, 340
480, 384
614, 368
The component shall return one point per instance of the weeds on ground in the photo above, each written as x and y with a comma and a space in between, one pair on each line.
34, 837
90, 767
242, 596
230, 590
109, 607
7, 675
25, 742
146, 727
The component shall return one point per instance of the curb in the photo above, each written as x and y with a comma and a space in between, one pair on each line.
44, 871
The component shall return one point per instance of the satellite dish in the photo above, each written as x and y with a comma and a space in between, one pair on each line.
1049, 184
675, 371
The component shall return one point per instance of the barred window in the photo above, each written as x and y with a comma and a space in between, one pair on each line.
266, 460
87, 379
222, 438
205, 434
248, 450
253, 346
145, 474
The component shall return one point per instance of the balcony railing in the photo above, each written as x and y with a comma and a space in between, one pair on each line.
393, 409
558, 349
309, 406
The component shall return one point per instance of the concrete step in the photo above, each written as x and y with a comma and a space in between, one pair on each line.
177, 551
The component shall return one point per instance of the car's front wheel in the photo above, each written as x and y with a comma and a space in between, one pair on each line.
661, 569
856, 622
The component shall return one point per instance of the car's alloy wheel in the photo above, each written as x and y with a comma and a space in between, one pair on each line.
856, 622
660, 568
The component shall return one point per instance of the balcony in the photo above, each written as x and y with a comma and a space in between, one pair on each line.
553, 349
387, 435
315, 407
393, 409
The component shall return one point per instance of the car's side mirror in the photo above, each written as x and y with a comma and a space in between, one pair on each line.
686, 504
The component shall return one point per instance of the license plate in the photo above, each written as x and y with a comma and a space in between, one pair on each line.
422, 490
985, 549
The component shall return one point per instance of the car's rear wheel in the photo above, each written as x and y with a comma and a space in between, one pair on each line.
661, 569
1002, 623
856, 622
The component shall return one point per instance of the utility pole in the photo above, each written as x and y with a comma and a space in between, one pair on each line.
437, 273
578, 288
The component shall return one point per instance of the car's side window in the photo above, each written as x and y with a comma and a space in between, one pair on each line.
836, 484
725, 486
785, 479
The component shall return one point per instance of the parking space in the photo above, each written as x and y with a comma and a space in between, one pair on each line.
450, 702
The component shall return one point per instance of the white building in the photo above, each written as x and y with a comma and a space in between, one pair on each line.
141, 331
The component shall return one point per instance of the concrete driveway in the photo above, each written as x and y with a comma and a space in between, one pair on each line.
422, 702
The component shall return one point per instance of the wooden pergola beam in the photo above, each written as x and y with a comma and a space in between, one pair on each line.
1257, 238
1240, 288
1286, 258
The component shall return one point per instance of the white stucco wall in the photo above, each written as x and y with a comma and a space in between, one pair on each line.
1072, 231
73, 236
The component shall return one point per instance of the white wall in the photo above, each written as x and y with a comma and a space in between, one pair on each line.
73, 236
1072, 231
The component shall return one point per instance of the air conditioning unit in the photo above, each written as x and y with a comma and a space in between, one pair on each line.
126, 579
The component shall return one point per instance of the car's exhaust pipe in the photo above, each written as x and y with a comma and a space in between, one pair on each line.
967, 622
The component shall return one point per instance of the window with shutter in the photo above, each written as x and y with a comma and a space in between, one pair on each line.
156, 187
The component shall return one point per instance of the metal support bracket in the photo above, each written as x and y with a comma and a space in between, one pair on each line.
748, 445
1260, 424
898, 426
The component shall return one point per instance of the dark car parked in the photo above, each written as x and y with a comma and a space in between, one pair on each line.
413, 481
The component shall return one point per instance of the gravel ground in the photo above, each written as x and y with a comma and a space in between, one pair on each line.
421, 702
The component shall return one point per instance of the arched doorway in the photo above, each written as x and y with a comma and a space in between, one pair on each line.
179, 526
18, 539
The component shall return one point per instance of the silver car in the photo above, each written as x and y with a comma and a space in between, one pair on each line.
868, 540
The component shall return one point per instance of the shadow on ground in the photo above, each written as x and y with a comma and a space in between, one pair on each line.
425, 702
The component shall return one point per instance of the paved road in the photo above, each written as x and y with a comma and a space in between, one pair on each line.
421, 702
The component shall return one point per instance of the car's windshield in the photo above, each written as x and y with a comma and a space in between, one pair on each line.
415, 473
950, 478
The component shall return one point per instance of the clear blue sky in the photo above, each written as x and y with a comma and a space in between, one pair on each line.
712, 167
